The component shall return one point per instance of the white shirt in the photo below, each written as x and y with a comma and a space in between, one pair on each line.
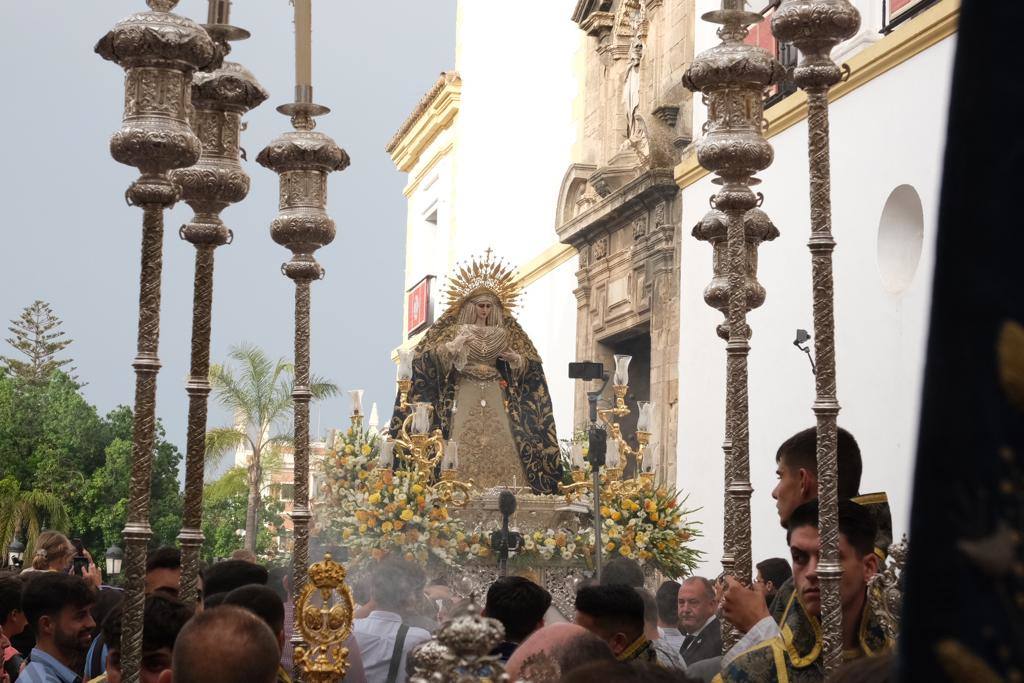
671, 636
376, 635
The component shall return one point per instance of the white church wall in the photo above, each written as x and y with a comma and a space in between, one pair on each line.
516, 127
886, 135
548, 315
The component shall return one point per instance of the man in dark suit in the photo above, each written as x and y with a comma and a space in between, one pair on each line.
702, 633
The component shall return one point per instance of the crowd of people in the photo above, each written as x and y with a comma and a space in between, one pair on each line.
63, 626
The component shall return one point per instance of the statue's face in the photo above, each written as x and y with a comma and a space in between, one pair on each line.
482, 307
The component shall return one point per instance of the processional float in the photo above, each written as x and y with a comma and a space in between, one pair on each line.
182, 118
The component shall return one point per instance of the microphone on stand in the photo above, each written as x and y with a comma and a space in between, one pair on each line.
504, 540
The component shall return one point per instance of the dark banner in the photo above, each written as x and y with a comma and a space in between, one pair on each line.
964, 601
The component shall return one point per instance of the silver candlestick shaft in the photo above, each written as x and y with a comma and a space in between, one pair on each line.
221, 95
159, 52
816, 27
733, 77
302, 158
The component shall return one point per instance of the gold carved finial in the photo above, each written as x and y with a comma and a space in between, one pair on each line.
325, 608
478, 276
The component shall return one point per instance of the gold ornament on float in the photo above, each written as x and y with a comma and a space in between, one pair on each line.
325, 624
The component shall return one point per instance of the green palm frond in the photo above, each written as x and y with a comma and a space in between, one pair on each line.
221, 440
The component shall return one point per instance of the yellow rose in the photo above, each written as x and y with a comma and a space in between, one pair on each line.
374, 498
398, 525
362, 528
346, 533
417, 489
609, 546
350, 449
386, 527
406, 515
616, 515
366, 450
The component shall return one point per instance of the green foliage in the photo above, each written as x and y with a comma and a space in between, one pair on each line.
36, 334
29, 510
54, 442
224, 510
259, 396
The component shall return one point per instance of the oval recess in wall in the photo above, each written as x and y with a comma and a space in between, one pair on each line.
900, 238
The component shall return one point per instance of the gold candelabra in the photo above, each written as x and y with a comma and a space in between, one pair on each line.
423, 451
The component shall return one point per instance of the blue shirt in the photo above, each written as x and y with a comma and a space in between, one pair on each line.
43, 668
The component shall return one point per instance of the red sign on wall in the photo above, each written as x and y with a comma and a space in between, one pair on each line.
421, 308
897, 8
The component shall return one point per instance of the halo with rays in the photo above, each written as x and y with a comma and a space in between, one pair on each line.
486, 274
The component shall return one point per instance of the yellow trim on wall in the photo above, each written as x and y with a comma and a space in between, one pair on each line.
427, 168
544, 263
911, 38
438, 116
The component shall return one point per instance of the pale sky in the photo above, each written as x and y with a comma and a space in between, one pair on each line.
69, 238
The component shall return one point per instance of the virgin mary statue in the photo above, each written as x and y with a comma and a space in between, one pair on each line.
484, 378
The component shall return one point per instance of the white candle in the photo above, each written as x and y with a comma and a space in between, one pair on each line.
303, 38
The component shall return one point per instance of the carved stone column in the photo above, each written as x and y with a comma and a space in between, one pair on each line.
733, 76
159, 52
815, 27
220, 97
302, 158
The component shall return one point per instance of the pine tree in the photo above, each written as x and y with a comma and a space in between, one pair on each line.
37, 335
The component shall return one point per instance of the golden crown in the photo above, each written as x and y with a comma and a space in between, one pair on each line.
489, 274
327, 574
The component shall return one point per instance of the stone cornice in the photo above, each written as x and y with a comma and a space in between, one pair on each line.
434, 113
645, 191
911, 38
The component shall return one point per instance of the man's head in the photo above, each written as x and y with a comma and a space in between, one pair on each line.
650, 613
393, 585
797, 470
12, 618
624, 571
570, 645
614, 613
667, 599
225, 645
519, 604
264, 603
57, 608
696, 603
856, 555
771, 574
226, 576
162, 620
244, 555
163, 571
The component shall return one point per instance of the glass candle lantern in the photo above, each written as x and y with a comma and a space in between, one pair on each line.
421, 418
405, 364
621, 370
357, 401
645, 415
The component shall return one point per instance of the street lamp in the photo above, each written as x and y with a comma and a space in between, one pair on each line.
15, 553
114, 557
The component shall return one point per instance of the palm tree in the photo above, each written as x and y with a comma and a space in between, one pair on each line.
260, 398
28, 509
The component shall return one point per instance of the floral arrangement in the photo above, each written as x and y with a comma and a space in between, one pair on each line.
376, 513
651, 526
